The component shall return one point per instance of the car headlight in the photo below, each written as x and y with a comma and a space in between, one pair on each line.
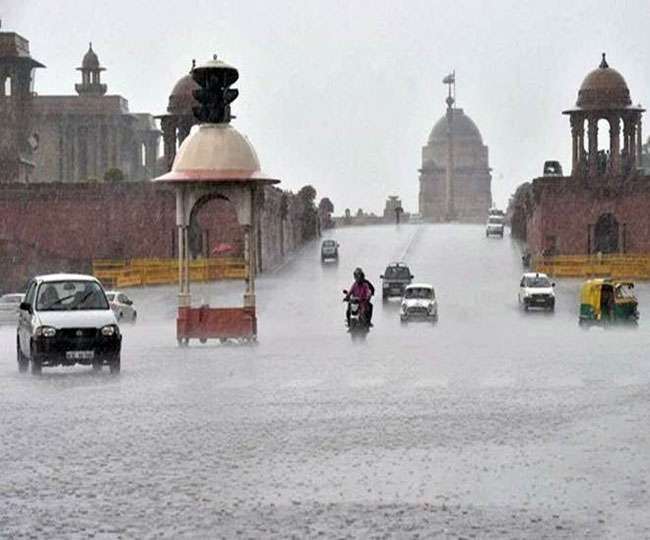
45, 331
110, 330
430, 308
404, 308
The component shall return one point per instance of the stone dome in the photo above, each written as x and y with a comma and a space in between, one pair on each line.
604, 88
215, 153
463, 129
90, 59
181, 99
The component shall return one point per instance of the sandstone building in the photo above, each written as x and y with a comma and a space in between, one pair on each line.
70, 138
464, 195
603, 206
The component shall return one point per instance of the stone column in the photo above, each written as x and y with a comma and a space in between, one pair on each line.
615, 145
593, 145
168, 126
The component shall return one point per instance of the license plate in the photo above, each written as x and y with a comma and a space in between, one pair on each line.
80, 355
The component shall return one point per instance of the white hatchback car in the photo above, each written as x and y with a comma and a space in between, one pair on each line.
122, 305
64, 320
536, 290
419, 302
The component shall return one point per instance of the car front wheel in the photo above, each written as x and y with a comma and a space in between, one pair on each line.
23, 362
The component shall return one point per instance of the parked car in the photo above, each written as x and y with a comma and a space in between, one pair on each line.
395, 279
9, 307
495, 226
329, 250
66, 319
536, 290
122, 306
419, 302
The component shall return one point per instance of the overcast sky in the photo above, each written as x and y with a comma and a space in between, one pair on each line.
342, 95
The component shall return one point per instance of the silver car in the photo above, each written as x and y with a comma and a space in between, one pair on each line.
10, 307
122, 306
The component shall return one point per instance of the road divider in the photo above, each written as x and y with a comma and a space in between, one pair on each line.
141, 272
615, 266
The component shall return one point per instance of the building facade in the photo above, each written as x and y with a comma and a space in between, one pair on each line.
72, 138
602, 207
464, 193
17, 141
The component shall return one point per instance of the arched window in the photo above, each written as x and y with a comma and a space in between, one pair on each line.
7, 88
606, 234
143, 154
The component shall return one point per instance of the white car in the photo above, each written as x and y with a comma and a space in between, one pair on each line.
9, 307
419, 302
64, 320
122, 306
536, 290
495, 226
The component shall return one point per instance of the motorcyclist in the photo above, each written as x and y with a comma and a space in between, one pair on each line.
362, 292
372, 293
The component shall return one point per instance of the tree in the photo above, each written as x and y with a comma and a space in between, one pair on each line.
114, 175
309, 217
326, 206
325, 210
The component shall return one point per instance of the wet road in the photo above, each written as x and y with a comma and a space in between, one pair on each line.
492, 423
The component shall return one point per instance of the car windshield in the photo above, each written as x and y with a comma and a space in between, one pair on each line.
419, 292
496, 220
537, 282
329, 243
69, 295
397, 272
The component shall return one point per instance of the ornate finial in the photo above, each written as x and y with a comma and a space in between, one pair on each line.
214, 57
603, 63
90, 45
193, 64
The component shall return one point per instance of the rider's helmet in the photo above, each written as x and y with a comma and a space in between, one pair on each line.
358, 274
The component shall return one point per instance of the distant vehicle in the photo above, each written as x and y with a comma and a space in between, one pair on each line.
495, 226
415, 219
10, 307
536, 290
496, 212
395, 279
605, 300
419, 302
552, 168
66, 319
122, 306
329, 251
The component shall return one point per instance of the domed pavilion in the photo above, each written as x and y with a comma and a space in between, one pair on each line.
465, 194
602, 207
178, 121
604, 95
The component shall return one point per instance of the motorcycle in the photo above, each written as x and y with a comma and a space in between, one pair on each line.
358, 322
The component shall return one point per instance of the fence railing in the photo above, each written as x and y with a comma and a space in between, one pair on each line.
138, 272
616, 266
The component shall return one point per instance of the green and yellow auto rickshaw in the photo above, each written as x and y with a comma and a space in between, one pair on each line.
605, 300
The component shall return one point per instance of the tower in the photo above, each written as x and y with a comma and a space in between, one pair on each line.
91, 70
17, 143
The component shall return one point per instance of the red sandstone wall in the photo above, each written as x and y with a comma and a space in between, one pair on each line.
566, 214
63, 227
